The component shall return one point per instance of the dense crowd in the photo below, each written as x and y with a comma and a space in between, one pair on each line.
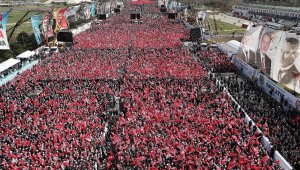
171, 114
183, 123
217, 61
280, 125
121, 32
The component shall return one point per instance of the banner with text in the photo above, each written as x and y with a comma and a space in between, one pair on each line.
3, 37
71, 13
269, 86
61, 21
47, 28
35, 19
274, 53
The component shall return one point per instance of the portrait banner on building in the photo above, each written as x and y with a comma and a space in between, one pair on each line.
3, 36
35, 19
287, 62
249, 44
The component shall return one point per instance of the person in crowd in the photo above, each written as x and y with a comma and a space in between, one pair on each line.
171, 114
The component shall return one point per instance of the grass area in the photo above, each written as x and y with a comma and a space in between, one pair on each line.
18, 12
225, 28
25, 27
13, 17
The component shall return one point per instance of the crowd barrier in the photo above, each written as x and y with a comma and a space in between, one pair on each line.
264, 140
266, 84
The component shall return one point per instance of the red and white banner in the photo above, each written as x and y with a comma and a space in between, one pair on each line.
61, 21
47, 28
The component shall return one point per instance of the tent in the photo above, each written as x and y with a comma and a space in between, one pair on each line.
55, 1
141, 2
235, 45
25, 55
230, 48
77, 1
8, 63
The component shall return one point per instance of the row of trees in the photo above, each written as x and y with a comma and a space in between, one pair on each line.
22, 43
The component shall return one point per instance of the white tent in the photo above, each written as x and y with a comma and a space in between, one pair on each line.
234, 44
55, 1
230, 48
77, 1
26, 54
8, 63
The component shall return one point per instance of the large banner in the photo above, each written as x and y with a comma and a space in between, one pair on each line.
249, 44
269, 86
35, 19
286, 68
3, 37
47, 28
278, 93
87, 11
61, 21
244, 67
275, 53
93, 9
71, 13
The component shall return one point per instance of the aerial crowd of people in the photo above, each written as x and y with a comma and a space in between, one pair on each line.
280, 125
171, 115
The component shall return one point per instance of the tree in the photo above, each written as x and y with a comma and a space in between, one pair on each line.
33, 42
16, 48
5, 54
24, 39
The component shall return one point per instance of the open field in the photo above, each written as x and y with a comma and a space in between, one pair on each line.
225, 28
18, 12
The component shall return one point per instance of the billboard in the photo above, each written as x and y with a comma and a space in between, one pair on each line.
93, 9
87, 11
47, 28
287, 62
71, 13
61, 21
274, 53
35, 19
3, 37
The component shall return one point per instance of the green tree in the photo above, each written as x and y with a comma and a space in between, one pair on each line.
5, 54
16, 48
24, 39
